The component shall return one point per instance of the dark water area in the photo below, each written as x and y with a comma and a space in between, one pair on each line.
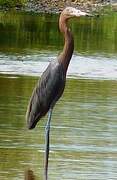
21, 32
84, 121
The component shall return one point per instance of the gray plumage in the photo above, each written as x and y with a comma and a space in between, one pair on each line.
46, 93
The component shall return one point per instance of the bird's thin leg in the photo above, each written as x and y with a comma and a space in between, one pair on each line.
47, 132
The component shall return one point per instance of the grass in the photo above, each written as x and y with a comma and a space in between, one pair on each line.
12, 3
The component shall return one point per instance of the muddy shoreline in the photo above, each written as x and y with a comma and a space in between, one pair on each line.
56, 6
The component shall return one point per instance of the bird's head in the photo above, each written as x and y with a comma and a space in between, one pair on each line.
69, 12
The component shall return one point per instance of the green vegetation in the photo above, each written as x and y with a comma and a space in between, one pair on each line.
12, 3
22, 32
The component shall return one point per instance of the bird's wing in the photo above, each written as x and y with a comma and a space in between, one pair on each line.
46, 93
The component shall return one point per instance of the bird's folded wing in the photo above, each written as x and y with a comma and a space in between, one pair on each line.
46, 93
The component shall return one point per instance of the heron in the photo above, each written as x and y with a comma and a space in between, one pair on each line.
51, 85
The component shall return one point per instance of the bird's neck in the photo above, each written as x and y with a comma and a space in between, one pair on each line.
67, 52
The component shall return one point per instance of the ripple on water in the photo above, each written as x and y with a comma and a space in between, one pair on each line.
83, 138
81, 66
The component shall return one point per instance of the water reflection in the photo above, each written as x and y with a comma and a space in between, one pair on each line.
28, 42
22, 32
29, 175
83, 134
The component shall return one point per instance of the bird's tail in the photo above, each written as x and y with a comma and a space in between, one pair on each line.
31, 119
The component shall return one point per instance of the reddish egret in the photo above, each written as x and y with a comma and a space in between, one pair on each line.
51, 85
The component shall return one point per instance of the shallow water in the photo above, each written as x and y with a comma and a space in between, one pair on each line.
84, 121
83, 138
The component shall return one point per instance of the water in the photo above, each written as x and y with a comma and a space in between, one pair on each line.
84, 121
80, 67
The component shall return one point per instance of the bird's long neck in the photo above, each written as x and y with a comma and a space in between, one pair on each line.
67, 52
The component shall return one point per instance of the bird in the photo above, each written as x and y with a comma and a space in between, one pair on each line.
51, 85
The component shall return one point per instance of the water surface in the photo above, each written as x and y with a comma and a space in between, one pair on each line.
28, 42
84, 121
83, 133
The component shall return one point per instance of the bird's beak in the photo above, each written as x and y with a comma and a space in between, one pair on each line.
89, 15
79, 13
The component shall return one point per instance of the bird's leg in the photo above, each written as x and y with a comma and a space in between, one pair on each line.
47, 132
